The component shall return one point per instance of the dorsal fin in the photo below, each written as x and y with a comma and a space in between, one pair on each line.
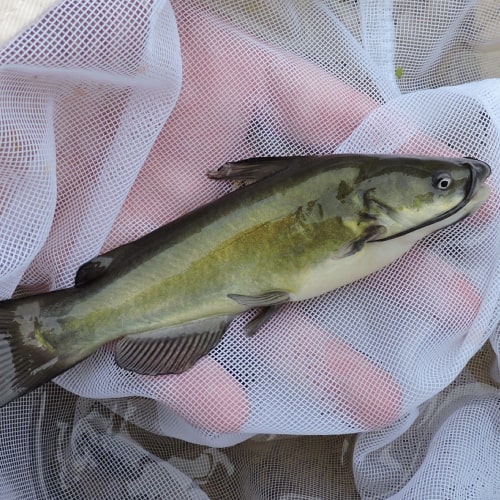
92, 270
251, 170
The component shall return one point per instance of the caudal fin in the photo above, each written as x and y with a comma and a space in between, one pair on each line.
24, 363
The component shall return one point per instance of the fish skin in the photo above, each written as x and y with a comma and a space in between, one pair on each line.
295, 231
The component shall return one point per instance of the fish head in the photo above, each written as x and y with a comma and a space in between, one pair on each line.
417, 193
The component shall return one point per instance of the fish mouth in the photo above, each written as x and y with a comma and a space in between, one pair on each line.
475, 192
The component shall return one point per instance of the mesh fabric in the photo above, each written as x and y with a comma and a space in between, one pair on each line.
111, 114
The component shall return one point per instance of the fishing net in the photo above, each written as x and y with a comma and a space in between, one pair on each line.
111, 114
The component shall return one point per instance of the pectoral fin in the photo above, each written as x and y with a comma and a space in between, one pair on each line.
171, 350
253, 169
371, 233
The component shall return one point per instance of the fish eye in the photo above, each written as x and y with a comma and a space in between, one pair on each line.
442, 181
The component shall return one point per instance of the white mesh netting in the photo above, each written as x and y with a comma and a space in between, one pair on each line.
110, 115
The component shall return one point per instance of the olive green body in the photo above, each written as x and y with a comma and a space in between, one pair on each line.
266, 236
307, 226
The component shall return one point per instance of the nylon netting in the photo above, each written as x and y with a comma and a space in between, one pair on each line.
111, 114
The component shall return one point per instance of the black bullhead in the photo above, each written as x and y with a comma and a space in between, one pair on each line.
306, 225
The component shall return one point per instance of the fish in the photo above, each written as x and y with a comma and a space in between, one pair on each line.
298, 228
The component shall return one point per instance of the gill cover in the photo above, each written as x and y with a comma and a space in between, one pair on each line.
478, 171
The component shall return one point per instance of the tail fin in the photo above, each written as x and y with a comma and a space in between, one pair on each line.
25, 363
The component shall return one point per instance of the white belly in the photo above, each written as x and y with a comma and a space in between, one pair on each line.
335, 273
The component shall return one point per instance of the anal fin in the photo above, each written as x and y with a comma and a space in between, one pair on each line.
171, 350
